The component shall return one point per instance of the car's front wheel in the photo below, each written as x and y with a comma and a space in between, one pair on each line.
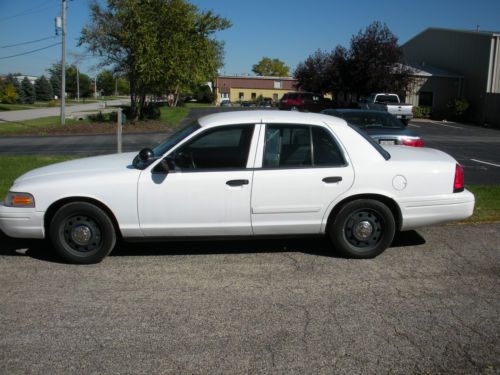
363, 228
82, 233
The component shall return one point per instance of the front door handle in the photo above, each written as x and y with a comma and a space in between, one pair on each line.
332, 180
237, 182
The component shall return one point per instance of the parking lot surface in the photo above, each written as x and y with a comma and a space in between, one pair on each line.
429, 304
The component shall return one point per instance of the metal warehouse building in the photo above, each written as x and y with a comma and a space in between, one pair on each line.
466, 64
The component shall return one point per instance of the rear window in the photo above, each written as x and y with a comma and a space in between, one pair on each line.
370, 140
371, 120
387, 99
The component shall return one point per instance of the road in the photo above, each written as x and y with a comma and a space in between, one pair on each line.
429, 304
29, 114
476, 148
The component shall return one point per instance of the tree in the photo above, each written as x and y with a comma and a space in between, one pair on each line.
204, 94
106, 82
13, 82
9, 94
28, 95
43, 89
374, 61
311, 74
271, 67
160, 45
84, 82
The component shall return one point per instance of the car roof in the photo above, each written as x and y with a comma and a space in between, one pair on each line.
263, 116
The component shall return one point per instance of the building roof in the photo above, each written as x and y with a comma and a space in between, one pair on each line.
258, 77
424, 70
484, 33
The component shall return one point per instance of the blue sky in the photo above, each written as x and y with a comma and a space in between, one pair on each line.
289, 30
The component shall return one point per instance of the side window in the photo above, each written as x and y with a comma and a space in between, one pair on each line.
290, 146
326, 150
287, 146
217, 148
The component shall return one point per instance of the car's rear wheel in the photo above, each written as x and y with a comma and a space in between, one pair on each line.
82, 233
363, 228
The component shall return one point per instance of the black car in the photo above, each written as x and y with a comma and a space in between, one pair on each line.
385, 128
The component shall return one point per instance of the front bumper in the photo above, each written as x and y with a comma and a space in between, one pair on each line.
20, 222
426, 211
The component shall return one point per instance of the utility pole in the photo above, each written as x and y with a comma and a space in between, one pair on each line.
77, 84
63, 63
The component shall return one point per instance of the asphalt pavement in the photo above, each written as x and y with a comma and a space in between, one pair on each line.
428, 305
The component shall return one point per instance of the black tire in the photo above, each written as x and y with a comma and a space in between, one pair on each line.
82, 233
362, 229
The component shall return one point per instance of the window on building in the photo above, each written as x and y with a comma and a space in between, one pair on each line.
275, 97
254, 95
425, 98
278, 85
241, 95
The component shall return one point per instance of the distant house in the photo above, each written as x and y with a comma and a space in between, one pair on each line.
248, 88
460, 64
32, 79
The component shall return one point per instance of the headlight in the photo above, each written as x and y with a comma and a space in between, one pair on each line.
19, 200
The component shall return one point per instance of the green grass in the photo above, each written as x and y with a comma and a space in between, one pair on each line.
11, 167
487, 197
173, 116
43, 122
487, 203
19, 107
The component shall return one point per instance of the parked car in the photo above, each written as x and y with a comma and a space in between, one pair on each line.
246, 103
385, 128
304, 102
389, 103
226, 103
241, 174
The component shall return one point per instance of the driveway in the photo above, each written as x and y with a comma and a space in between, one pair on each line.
429, 304
29, 114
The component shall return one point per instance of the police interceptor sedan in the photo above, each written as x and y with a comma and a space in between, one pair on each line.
242, 174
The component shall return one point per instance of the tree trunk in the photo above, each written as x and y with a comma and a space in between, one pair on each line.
176, 95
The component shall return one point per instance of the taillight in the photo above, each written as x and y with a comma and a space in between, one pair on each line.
458, 184
413, 142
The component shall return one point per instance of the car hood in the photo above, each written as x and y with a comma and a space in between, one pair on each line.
86, 166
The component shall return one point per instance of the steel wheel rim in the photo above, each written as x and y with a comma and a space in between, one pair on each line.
364, 228
82, 234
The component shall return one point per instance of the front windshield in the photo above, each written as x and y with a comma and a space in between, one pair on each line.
371, 120
175, 138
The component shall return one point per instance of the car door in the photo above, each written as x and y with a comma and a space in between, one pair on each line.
302, 169
208, 191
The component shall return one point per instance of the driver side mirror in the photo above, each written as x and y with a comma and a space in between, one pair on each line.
166, 165
146, 154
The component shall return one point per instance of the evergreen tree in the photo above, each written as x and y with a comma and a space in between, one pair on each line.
55, 82
28, 95
10, 80
43, 89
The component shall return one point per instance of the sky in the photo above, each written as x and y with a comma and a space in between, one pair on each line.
289, 30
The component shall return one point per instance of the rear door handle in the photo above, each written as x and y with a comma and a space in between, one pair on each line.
332, 180
237, 182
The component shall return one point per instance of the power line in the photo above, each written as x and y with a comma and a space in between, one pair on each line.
31, 41
39, 8
28, 52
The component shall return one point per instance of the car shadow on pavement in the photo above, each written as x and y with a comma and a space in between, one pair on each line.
42, 249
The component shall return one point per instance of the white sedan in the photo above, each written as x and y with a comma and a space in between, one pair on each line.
241, 174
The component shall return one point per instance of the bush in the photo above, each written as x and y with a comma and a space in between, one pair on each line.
421, 112
53, 103
151, 111
98, 117
458, 108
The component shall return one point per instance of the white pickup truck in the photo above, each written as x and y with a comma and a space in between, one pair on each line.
389, 103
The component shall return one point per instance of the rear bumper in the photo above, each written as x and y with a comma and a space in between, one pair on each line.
426, 211
21, 222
